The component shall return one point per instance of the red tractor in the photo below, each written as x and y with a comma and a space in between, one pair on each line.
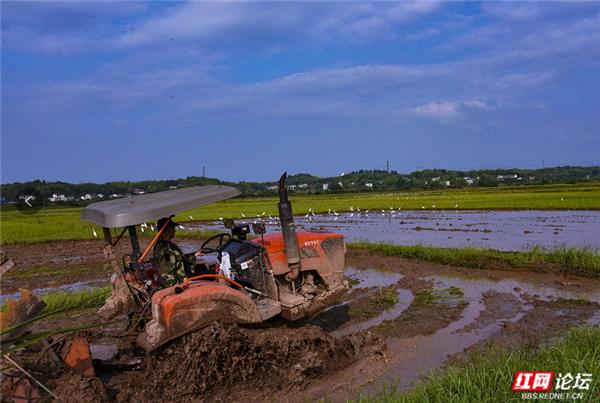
293, 273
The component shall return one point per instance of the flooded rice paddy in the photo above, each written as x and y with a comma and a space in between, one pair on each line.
490, 306
501, 230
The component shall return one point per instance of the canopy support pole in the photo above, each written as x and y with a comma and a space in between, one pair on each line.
135, 245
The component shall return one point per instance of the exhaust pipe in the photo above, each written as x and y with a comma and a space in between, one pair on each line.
288, 230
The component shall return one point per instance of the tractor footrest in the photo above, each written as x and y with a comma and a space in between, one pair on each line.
268, 308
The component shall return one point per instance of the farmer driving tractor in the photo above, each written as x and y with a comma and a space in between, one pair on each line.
172, 262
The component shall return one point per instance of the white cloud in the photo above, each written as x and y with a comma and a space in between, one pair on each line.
477, 104
424, 34
257, 22
450, 110
437, 110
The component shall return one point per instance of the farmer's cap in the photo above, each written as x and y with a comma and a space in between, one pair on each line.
161, 222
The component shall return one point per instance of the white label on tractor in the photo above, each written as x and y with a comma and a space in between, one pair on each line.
244, 265
308, 243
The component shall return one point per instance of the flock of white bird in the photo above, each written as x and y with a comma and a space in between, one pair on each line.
310, 216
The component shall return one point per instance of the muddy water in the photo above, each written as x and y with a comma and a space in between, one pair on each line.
371, 278
502, 230
423, 353
405, 298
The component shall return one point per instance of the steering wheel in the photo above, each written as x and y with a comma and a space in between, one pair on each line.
222, 238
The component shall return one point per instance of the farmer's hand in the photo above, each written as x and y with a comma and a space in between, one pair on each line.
198, 253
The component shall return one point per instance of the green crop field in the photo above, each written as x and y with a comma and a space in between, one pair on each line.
64, 223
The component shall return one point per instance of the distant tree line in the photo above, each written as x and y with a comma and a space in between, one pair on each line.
62, 193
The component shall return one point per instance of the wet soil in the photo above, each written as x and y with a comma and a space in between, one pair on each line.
222, 360
442, 315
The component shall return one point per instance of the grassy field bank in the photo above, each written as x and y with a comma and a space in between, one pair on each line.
580, 262
65, 224
488, 378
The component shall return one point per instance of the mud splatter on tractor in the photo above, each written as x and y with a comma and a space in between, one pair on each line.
292, 274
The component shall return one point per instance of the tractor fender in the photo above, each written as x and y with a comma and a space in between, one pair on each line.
176, 314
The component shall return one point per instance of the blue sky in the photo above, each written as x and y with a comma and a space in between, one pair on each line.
99, 91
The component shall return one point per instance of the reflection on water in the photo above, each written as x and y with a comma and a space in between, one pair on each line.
423, 353
501, 230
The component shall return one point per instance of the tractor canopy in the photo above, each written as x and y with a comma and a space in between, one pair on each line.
135, 210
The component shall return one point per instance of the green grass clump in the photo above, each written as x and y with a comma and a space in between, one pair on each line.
375, 303
65, 224
68, 301
488, 378
451, 295
424, 297
581, 262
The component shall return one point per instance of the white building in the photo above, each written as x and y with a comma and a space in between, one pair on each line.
325, 186
56, 197
504, 177
369, 185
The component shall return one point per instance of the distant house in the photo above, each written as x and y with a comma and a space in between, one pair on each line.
446, 183
100, 196
303, 186
469, 180
369, 185
137, 191
173, 187
86, 196
115, 195
437, 178
292, 187
325, 186
509, 177
340, 184
272, 187
57, 197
